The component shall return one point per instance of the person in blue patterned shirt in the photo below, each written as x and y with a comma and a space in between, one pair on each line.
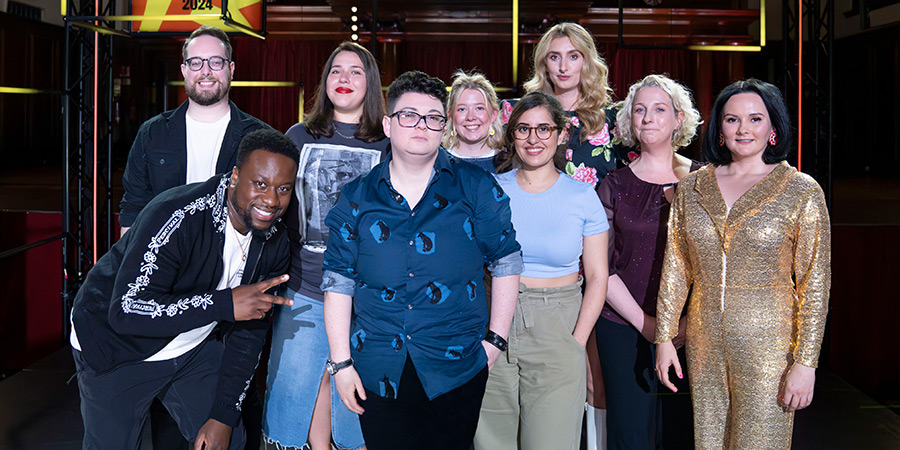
405, 304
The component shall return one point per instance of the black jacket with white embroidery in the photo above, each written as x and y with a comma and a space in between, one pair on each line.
160, 280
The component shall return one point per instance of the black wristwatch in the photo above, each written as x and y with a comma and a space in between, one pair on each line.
496, 340
333, 367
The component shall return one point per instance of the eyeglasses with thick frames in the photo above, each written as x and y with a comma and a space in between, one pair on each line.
409, 119
216, 63
542, 131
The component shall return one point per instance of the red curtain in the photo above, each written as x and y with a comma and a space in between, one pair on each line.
302, 61
442, 59
278, 60
627, 66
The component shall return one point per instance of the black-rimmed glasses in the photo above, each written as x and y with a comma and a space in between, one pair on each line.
542, 131
409, 119
216, 63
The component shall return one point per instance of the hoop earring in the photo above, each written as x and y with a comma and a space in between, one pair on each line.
721, 140
773, 138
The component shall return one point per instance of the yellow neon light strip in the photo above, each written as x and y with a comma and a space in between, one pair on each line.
63, 6
726, 48
16, 90
515, 42
762, 23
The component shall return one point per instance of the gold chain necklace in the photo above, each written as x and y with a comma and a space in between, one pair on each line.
240, 245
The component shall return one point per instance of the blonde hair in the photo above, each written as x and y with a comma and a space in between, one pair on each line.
681, 101
480, 83
593, 85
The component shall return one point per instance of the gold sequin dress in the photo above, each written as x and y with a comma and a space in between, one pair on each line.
759, 277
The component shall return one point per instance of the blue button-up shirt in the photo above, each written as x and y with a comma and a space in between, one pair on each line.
416, 275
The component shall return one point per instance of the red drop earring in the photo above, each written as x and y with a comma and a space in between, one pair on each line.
773, 138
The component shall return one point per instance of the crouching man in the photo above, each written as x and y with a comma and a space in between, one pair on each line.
176, 310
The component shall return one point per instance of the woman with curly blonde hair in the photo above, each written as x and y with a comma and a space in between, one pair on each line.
567, 65
474, 132
658, 117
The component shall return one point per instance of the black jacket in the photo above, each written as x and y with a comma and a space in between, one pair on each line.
160, 280
158, 157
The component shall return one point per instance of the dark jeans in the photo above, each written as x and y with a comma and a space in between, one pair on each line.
114, 405
411, 421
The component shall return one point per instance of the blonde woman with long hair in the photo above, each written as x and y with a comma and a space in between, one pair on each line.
568, 66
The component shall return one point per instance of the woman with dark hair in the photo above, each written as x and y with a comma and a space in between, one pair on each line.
474, 131
535, 393
341, 139
749, 238
658, 117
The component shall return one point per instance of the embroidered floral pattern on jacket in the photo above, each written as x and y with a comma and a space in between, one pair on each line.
131, 305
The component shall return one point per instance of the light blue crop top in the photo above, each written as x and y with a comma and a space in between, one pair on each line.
550, 225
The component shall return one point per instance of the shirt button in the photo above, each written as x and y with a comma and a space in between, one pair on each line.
413, 214
409, 306
412, 243
408, 337
411, 275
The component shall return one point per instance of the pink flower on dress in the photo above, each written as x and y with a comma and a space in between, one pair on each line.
632, 156
506, 108
601, 137
574, 121
586, 175
568, 154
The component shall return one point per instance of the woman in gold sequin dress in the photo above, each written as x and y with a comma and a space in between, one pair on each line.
749, 238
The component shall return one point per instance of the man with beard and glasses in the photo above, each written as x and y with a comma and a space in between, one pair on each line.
195, 140
178, 309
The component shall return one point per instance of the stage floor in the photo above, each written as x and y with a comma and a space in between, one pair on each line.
39, 410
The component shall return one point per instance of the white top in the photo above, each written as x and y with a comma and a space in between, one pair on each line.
204, 140
236, 247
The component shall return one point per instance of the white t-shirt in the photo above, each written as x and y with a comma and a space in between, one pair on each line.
234, 256
204, 140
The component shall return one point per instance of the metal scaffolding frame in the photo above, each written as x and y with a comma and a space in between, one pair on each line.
87, 153
808, 83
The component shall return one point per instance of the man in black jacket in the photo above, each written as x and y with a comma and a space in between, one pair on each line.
195, 140
176, 310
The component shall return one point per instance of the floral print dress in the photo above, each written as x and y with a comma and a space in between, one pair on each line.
589, 160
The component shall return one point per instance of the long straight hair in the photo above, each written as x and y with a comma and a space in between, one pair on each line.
320, 118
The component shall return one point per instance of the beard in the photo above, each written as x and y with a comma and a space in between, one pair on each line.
207, 98
240, 214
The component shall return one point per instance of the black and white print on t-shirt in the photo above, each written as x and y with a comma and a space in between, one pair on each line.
324, 170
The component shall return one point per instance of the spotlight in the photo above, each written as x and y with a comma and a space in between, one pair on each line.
354, 27
353, 18
354, 37
353, 9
